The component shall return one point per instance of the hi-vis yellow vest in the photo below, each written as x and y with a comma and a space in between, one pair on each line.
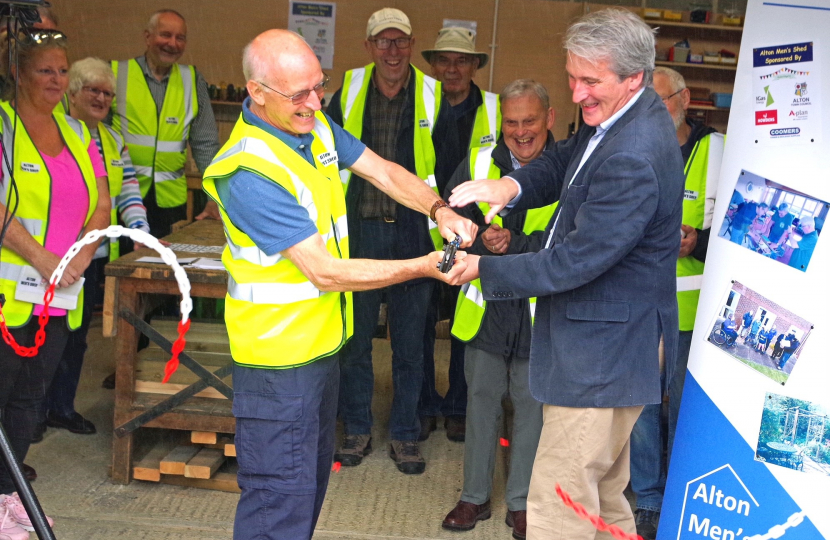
487, 126
470, 308
34, 184
157, 139
427, 106
113, 146
689, 269
276, 317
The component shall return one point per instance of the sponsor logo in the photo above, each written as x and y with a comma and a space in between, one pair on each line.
768, 95
327, 158
172, 120
487, 139
801, 89
796, 115
690, 195
30, 167
766, 117
785, 132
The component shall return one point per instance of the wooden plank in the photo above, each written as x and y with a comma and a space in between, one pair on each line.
203, 437
207, 337
148, 467
168, 389
221, 481
230, 450
110, 303
204, 464
176, 461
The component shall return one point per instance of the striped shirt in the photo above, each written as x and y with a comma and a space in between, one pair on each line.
131, 209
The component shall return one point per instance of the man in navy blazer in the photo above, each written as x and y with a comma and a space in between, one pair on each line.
605, 280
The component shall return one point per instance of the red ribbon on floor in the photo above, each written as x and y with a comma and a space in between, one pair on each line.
178, 346
40, 336
596, 521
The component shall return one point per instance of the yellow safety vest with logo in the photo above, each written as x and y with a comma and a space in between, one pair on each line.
689, 269
487, 126
471, 306
157, 139
276, 317
113, 146
34, 184
427, 106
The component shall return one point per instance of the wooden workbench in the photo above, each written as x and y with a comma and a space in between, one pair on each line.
130, 287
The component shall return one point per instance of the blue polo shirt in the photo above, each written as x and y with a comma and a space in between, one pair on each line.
277, 221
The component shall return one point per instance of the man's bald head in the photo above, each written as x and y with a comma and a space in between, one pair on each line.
276, 51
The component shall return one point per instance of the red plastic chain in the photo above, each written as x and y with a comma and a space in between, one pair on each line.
178, 347
596, 521
40, 336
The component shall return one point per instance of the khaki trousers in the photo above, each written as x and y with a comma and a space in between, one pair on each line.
586, 451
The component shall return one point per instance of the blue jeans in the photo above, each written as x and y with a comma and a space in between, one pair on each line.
455, 402
648, 468
784, 358
407, 312
285, 423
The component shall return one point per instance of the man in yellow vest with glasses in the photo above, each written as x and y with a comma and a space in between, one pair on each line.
454, 62
277, 185
497, 334
398, 112
159, 107
702, 151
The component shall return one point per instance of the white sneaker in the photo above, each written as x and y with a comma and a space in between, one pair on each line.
17, 512
8, 527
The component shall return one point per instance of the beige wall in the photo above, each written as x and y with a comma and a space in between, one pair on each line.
528, 41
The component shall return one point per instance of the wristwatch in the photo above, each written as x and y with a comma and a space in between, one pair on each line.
440, 203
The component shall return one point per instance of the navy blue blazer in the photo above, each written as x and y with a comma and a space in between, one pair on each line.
607, 287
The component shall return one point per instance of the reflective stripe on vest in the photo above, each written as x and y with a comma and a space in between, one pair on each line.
157, 143
689, 269
113, 145
427, 106
276, 317
34, 184
487, 126
471, 306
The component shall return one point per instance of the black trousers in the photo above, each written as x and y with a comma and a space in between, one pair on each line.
23, 384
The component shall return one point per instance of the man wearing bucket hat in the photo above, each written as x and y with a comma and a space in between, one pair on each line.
454, 62
398, 112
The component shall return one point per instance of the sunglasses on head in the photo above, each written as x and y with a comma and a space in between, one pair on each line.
39, 36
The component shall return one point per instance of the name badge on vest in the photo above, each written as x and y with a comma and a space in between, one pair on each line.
487, 139
690, 195
116, 163
172, 120
30, 167
327, 158
423, 123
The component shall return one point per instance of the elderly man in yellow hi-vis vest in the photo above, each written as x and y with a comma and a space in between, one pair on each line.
702, 150
159, 107
288, 312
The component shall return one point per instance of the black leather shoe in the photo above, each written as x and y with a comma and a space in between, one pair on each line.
465, 515
518, 520
456, 427
428, 425
75, 423
40, 429
29, 472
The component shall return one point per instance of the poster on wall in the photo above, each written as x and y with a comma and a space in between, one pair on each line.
787, 94
315, 22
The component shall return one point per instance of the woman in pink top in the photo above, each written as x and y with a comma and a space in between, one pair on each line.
61, 193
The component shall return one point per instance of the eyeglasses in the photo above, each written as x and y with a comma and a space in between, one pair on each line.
300, 97
667, 98
384, 43
95, 92
461, 62
40, 37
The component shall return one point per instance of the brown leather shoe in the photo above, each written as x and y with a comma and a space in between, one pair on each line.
456, 427
465, 515
518, 520
28, 472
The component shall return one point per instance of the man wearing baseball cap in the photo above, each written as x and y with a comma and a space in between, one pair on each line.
454, 62
398, 112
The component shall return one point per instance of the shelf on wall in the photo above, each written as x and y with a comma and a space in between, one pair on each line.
707, 108
697, 66
701, 26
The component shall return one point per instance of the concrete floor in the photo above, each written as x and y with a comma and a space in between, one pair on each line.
371, 501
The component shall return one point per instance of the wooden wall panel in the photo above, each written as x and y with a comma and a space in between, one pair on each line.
528, 43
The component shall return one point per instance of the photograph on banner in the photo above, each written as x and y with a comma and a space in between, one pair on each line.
795, 434
759, 332
786, 84
774, 221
